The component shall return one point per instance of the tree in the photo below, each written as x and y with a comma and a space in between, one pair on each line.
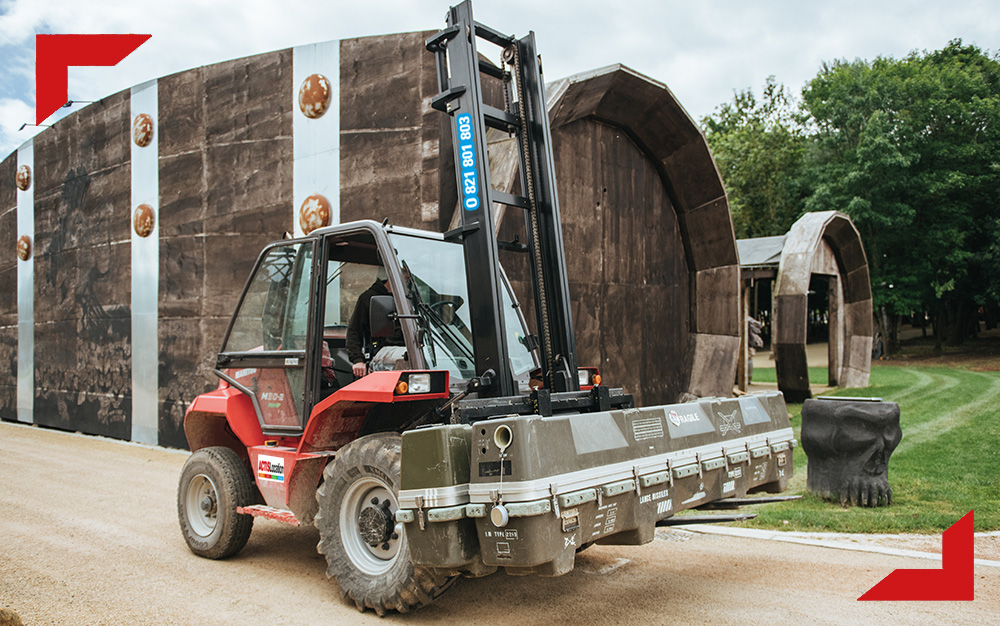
909, 149
759, 147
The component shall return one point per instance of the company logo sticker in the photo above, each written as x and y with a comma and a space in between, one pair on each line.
55, 54
954, 580
271, 468
687, 420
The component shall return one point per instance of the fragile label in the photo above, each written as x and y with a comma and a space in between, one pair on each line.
730, 423
688, 421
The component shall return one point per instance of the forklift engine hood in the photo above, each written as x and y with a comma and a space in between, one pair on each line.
526, 492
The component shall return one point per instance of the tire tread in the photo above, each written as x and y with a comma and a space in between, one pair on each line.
405, 586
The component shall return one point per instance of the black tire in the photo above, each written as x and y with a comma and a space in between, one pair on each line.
214, 481
357, 508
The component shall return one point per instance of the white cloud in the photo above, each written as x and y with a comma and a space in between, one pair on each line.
14, 113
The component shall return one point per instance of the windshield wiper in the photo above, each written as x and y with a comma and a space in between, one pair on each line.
446, 332
414, 295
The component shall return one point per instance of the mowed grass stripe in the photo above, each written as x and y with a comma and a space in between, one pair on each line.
947, 464
952, 414
923, 381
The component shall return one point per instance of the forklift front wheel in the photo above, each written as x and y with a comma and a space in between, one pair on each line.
365, 548
214, 481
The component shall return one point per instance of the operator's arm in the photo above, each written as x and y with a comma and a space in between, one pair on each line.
356, 335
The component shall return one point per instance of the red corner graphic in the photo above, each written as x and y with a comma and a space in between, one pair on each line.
55, 53
954, 581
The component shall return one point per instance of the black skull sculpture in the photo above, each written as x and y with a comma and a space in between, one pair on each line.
848, 443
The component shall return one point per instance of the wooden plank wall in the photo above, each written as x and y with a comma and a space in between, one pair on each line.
8, 287
226, 170
82, 258
225, 191
389, 134
625, 260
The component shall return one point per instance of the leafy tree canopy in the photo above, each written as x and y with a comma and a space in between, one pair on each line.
909, 148
759, 147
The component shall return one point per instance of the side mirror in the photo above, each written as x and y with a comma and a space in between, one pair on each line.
382, 316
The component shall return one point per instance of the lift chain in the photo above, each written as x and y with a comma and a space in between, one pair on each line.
505, 56
529, 182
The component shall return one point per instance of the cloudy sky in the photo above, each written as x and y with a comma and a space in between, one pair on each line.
704, 50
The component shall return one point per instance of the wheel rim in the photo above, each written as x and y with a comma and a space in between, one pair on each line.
202, 505
368, 529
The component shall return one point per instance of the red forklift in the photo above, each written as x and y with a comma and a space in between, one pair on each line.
479, 444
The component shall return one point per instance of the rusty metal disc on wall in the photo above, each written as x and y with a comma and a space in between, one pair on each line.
23, 177
314, 96
314, 213
142, 130
144, 220
24, 248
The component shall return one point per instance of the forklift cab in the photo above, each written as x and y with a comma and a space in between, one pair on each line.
303, 293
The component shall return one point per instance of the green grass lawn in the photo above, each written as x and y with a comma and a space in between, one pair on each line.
947, 464
817, 375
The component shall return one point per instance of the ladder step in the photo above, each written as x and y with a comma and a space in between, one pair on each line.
440, 101
493, 36
278, 515
488, 68
508, 199
500, 120
433, 43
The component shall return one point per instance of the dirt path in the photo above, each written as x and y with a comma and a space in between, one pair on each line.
88, 535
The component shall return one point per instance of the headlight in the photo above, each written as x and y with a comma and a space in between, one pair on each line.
420, 383
583, 376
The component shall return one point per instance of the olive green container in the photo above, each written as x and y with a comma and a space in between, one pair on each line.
530, 490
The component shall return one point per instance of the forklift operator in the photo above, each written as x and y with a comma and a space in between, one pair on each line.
385, 349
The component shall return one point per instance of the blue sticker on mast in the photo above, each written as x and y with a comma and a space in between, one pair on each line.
467, 162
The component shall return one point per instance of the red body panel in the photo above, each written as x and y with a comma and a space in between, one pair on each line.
238, 411
375, 387
335, 422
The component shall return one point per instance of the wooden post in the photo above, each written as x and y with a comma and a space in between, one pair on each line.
742, 369
836, 333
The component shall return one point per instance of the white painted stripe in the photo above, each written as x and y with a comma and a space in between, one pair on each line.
826, 540
316, 142
436, 497
145, 273
26, 291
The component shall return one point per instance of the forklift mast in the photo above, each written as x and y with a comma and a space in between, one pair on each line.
459, 69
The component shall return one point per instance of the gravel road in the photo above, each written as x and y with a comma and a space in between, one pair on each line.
89, 535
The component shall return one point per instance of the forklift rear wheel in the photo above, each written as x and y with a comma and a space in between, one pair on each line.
214, 481
365, 548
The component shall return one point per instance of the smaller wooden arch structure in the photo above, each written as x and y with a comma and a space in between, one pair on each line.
824, 243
